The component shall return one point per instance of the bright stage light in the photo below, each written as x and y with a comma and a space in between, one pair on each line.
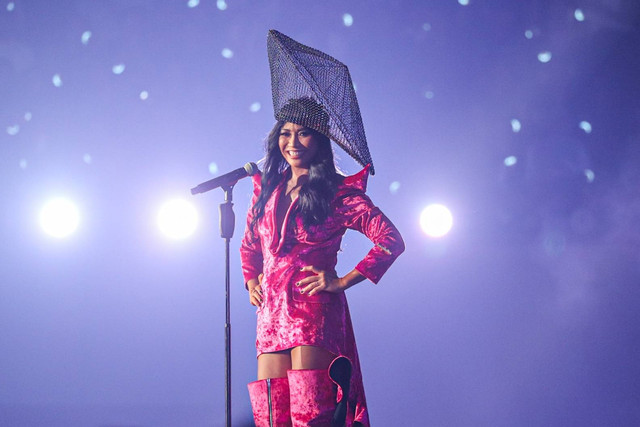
59, 218
178, 219
436, 220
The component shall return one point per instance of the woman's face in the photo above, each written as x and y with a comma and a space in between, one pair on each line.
298, 145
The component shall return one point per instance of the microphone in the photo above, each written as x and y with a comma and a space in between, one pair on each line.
228, 179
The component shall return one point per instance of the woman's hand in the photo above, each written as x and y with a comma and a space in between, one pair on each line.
323, 280
255, 291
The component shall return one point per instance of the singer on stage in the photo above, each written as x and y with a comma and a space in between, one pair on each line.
308, 367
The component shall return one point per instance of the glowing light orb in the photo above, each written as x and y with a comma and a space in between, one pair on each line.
590, 175
255, 107
528, 34
227, 53
28, 116
59, 218
585, 126
11, 6
347, 20
429, 94
177, 219
85, 37
464, 2
57, 80
221, 4
118, 69
144, 95
193, 3
13, 130
510, 161
213, 168
516, 126
436, 220
394, 187
544, 57
579, 15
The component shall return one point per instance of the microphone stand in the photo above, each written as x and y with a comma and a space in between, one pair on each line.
227, 224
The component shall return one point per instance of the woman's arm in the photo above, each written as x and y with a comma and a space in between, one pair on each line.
255, 291
327, 281
251, 245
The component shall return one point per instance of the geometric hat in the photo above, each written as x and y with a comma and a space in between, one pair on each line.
312, 89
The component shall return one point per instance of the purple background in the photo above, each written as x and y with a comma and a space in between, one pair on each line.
525, 314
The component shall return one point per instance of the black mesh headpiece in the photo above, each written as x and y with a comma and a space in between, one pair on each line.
312, 89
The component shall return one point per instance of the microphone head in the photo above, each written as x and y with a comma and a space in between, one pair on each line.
251, 168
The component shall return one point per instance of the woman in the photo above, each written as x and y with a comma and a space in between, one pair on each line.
301, 208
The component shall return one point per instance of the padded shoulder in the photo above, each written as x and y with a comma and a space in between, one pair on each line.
356, 182
257, 182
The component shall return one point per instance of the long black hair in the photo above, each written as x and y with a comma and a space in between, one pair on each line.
315, 194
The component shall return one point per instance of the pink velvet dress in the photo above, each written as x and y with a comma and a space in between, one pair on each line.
287, 318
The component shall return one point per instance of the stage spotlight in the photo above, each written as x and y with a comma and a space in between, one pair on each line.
177, 219
59, 218
436, 220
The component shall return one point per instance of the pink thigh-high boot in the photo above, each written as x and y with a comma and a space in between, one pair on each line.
270, 402
318, 396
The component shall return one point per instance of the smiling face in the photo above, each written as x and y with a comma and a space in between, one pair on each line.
298, 145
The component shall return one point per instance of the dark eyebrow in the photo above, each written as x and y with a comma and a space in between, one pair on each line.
302, 129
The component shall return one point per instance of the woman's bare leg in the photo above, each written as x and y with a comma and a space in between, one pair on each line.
310, 357
274, 365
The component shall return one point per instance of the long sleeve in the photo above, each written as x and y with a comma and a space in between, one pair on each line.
362, 215
251, 245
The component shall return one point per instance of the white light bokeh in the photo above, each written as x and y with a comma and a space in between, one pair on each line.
57, 80
544, 57
59, 218
516, 126
255, 107
178, 219
510, 161
227, 53
221, 5
585, 126
579, 15
13, 130
213, 168
85, 37
436, 220
347, 20
590, 175
118, 69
